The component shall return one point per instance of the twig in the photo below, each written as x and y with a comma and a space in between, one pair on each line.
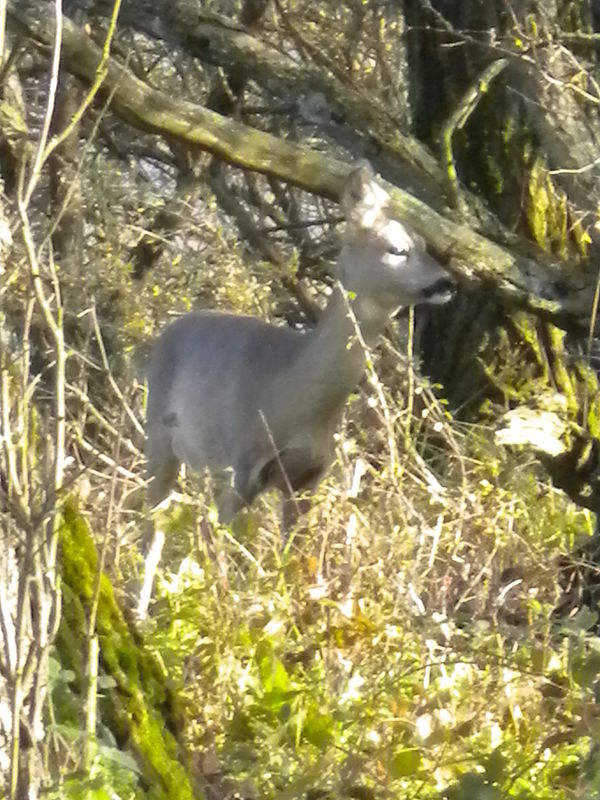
376, 384
458, 119
2, 31
101, 419
410, 400
101, 71
39, 158
288, 485
114, 386
106, 459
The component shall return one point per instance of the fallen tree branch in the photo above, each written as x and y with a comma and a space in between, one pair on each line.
560, 292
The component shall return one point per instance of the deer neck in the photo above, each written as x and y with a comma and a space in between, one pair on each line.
332, 360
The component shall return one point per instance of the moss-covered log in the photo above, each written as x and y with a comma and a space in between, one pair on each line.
141, 709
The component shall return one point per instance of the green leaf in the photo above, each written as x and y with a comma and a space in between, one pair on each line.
120, 757
318, 728
56, 674
273, 675
53, 668
405, 762
68, 732
584, 620
495, 767
585, 669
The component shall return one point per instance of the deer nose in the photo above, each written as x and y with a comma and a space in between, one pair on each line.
441, 291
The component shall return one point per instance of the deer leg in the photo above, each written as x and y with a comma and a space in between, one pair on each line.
229, 505
163, 465
236, 496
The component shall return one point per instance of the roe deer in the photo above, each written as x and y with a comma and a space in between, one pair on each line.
231, 392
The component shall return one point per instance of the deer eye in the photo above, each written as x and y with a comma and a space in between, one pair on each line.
396, 251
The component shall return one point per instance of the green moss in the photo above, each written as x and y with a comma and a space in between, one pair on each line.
515, 362
549, 218
537, 206
527, 359
495, 174
589, 383
563, 379
509, 130
580, 236
527, 331
140, 708
80, 559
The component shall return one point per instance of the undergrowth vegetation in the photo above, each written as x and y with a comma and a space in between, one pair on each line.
416, 635
403, 641
422, 632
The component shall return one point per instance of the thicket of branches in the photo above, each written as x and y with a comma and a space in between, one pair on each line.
430, 628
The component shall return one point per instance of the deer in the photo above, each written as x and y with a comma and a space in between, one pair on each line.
259, 403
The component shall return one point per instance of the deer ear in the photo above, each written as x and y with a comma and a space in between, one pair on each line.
363, 200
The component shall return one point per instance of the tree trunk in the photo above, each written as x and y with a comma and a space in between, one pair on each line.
481, 350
